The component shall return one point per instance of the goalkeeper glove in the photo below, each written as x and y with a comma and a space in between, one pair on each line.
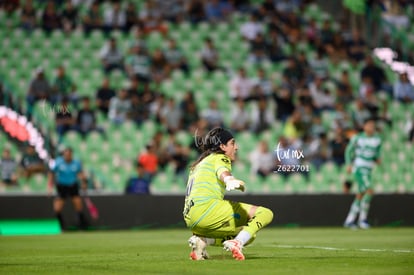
233, 183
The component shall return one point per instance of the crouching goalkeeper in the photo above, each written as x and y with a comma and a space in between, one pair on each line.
213, 220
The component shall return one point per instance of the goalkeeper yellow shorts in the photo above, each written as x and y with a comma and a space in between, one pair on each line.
218, 218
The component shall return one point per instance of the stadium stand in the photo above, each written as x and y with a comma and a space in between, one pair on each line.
109, 159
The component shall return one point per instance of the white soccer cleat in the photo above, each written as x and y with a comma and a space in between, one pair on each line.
198, 248
235, 247
364, 225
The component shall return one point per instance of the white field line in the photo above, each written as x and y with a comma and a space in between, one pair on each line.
341, 249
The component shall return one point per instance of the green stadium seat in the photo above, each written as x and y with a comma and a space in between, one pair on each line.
160, 184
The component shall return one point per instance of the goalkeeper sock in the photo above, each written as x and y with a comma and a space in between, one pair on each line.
243, 237
365, 203
353, 212
262, 217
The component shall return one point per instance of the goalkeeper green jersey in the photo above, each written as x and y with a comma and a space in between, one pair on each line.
203, 182
363, 151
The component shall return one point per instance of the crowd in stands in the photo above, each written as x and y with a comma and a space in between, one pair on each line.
296, 100
12, 169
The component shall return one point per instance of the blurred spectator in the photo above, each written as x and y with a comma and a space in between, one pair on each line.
9, 6
319, 65
251, 28
302, 62
151, 18
326, 32
39, 89
195, 11
293, 73
156, 106
135, 89
8, 168
103, 96
307, 113
175, 57
262, 116
114, 17
262, 160
345, 92
149, 160
338, 145
217, 10
150, 9
171, 116
119, 107
322, 97
69, 16
173, 10
86, 119
262, 85
240, 85
258, 49
356, 47
274, 46
341, 117
403, 89
359, 114
320, 151
240, 117
65, 121
190, 112
304, 97
93, 20
28, 20
316, 127
50, 18
375, 74
209, 55
63, 86
159, 144
366, 88
294, 128
31, 163
139, 110
311, 31
178, 156
284, 104
131, 15
213, 115
337, 48
138, 184
292, 28
111, 56
159, 67
138, 40
138, 64
266, 9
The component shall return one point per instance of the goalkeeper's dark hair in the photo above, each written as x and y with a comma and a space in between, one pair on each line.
211, 142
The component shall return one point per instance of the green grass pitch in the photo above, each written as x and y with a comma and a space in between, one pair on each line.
165, 251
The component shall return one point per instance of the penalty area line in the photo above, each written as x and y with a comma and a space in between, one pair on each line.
341, 249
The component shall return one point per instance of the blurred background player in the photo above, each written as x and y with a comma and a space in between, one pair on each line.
361, 154
212, 219
65, 174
